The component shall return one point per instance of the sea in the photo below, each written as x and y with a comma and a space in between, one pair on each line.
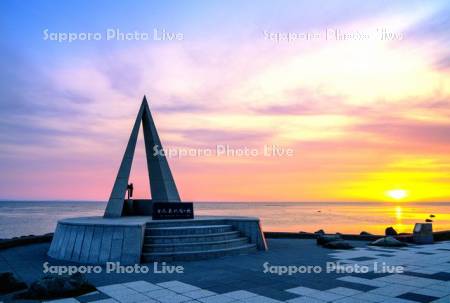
19, 218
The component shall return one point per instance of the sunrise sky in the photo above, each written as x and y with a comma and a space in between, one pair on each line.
367, 119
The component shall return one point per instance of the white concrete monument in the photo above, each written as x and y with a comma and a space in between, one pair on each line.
130, 233
162, 184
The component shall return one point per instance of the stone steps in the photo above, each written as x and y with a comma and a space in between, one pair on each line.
177, 223
187, 230
197, 255
191, 238
196, 246
193, 242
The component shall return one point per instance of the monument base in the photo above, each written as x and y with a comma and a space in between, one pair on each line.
137, 207
131, 240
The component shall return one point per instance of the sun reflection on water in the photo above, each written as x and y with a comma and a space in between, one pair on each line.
398, 214
399, 226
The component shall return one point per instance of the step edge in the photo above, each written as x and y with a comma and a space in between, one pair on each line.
196, 243
250, 245
187, 227
193, 235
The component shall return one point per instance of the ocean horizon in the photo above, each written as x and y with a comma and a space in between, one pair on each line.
344, 217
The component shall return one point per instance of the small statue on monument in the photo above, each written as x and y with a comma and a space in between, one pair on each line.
130, 190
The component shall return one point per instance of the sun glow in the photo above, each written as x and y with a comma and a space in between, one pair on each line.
397, 194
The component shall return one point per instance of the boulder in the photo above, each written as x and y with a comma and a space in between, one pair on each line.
9, 283
54, 286
423, 233
388, 242
339, 244
323, 239
390, 231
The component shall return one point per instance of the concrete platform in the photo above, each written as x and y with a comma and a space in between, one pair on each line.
130, 240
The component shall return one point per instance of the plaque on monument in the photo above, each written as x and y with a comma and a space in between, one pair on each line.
170, 210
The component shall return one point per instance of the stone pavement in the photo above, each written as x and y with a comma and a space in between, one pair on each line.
242, 278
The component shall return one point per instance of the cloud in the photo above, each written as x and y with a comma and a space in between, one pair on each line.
433, 33
220, 136
414, 132
307, 101
346, 107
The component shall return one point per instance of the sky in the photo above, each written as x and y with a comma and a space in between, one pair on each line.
354, 96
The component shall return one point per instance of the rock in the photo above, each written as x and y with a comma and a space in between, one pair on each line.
320, 232
323, 239
54, 286
9, 283
423, 233
388, 242
339, 244
428, 220
390, 231
365, 233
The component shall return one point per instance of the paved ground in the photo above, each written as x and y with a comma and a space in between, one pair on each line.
243, 278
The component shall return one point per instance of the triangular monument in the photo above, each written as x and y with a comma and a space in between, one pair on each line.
162, 184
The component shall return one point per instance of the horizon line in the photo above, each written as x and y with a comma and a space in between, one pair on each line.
216, 201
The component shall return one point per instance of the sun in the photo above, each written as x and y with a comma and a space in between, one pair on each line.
397, 194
